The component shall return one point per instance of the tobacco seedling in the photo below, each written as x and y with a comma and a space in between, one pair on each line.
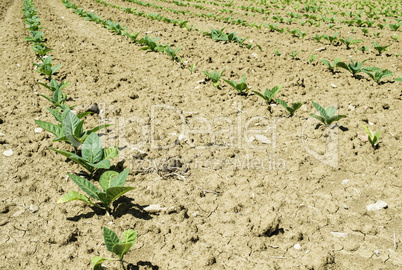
349, 41
214, 77
277, 53
240, 87
291, 109
352, 67
327, 115
312, 58
294, 54
36, 37
93, 155
46, 67
377, 73
173, 53
398, 79
395, 27
70, 127
332, 38
54, 85
192, 68
112, 184
41, 50
114, 245
269, 93
133, 37
379, 48
150, 44
373, 139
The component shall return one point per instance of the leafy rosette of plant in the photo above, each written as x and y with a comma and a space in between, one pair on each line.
41, 50
352, 67
93, 156
240, 87
374, 139
332, 38
36, 37
112, 184
114, 245
70, 127
54, 85
150, 44
173, 53
380, 48
377, 73
291, 109
269, 93
349, 41
214, 76
331, 66
46, 67
327, 115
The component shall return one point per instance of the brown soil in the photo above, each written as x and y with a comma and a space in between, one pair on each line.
235, 203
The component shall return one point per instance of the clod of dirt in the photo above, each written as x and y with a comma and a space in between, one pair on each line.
266, 225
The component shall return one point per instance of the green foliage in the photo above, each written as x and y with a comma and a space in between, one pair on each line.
395, 27
93, 155
327, 115
377, 73
291, 109
150, 44
352, 67
398, 79
214, 77
380, 48
277, 53
312, 58
115, 245
192, 68
46, 67
293, 54
240, 87
41, 50
111, 182
332, 38
374, 139
269, 93
349, 41
173, 53
37, 38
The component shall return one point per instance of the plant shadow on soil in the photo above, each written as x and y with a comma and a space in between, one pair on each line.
142, 265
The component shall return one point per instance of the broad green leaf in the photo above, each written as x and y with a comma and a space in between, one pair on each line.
121, 249
103, 164
334, 118
114, 193
110, 238
54, 129
368, 131
63, 152
79, 130
376, 137
56, 115
120, 179
330, 111
319, 118
83, 114
106, 178
85, 185
95, 129
398, 79
109, 153
97, 262
92, 148
73, 196
70, 122
320, 110
129, 236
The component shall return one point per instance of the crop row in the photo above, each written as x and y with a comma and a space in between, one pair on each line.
88, 151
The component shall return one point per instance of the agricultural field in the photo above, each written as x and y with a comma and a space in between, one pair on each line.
200, 134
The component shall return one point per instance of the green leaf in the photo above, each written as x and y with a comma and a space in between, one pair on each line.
109, 153
56, 115
129, 236
72, 196
334, 118
103, 164
97, 262
319, 118
70, 123
85, 185
92, 148
376, 137
121, 249
330, 111
83, 114
54, 129
110, 238
95, 129
120, 179
106, 178
114, 193
398, 79
320, 110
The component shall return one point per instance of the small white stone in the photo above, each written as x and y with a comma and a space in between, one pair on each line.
297, 246
377, 252
38, 130
339, 234
33, 208
2, 134
18, 65
262, 139
333, 85
370, 123
351, 107
154, 208
8, 153
181, 137
251, 139
345, 181
377, 206
254, 55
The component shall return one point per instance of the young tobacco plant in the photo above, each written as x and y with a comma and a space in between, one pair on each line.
349, 41
331, 66
352, 67
377, 73
114, 245
380, 48
332, 38
327, 115
240, 87
173, 53
41, 50
291, 109
374, 139
93, 156
269, 93
214, 77
112, 184
150, 44
46, 67
36, 37
294, 54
